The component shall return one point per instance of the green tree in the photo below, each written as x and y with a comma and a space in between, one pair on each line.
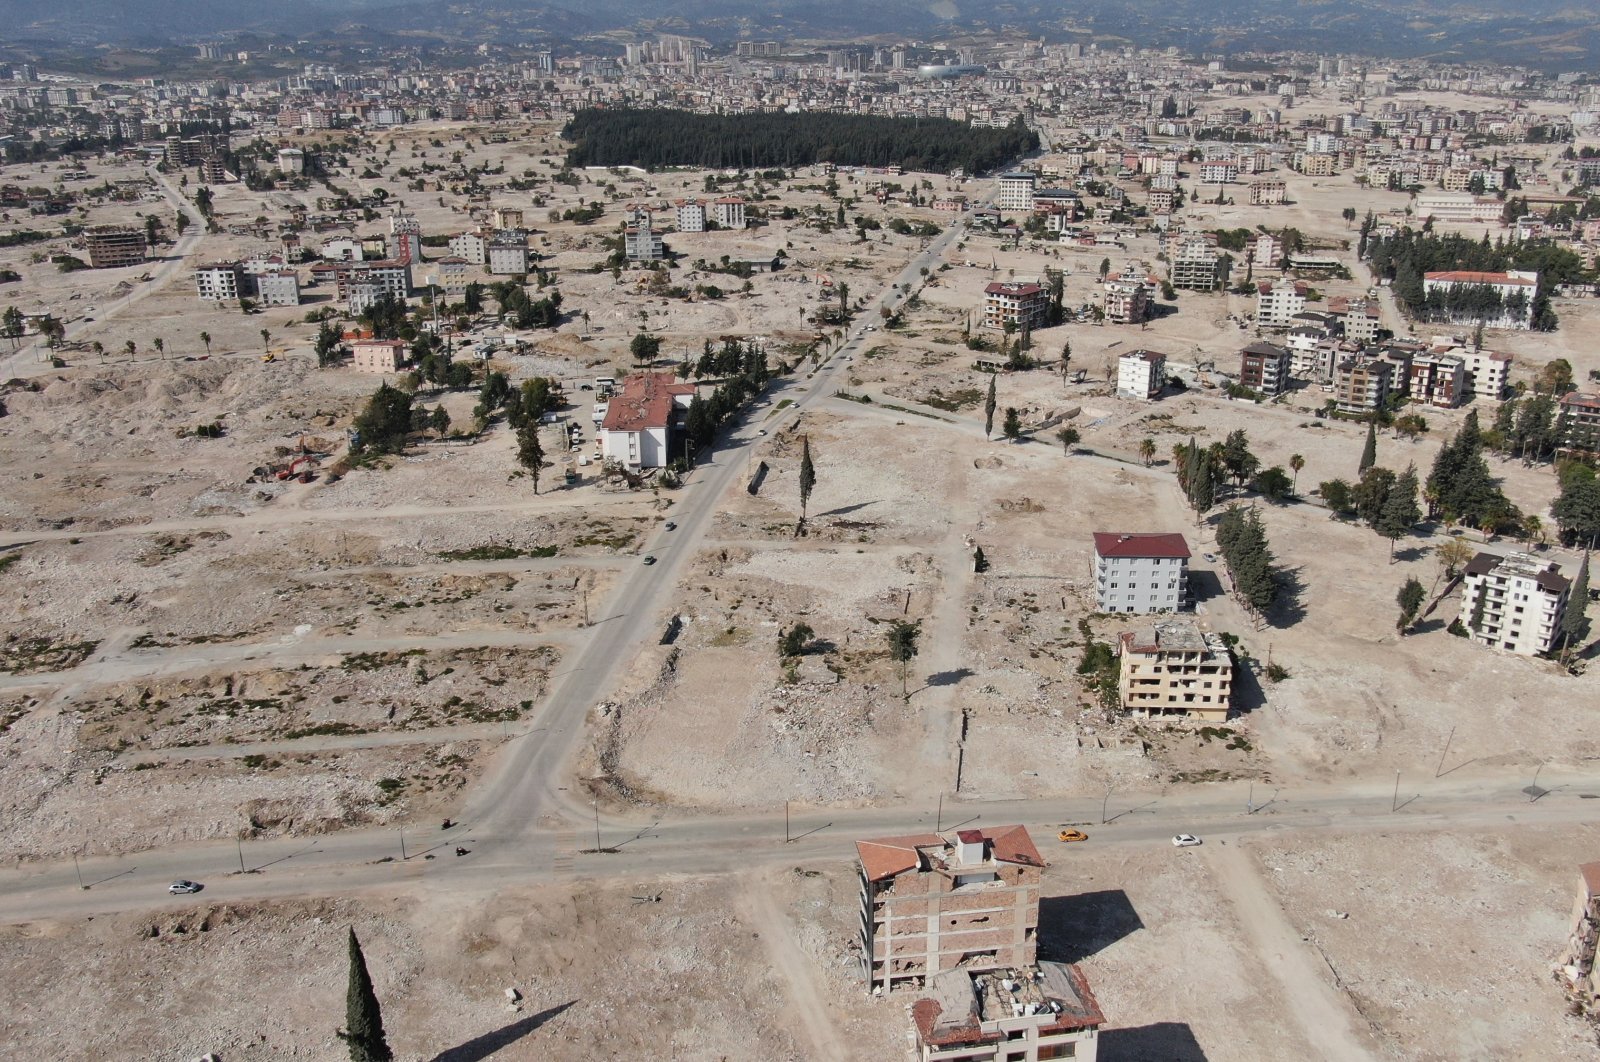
161, 347
472, 297
12, 326
1369, 450
1011, 428
980, 561
903, 647
1296, 463
530, 455
205, 337
1069, 438
1240, 463
382, 426
988, 410
793, 641
363, 1032
439, 421
645, 348
1338, 496
1147, 450
328, 345
808, 475
1575, 621
266, 338
1399, 513
1273, 484
1410, 600
1202, 487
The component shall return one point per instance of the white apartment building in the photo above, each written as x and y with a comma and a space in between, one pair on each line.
278, 287
1016, 190
1264, 251
453, 275
1141, 374
1267, 193
1488, 371
729, 212
508, 258
471, 246
691, 215
1514, 603
1141, 572
640, 242
1459, 207
1277, 303
1516, 287
218, 282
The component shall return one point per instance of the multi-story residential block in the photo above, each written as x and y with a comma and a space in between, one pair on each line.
1514, 603
1222, 171
1459, 207
1016, 191
381, 277
1438, 380
508, 257
277, 287
471, 246
967, 901
1580, 424
1140, 572
508, 217
1141, 374
1010, 1015
1488, 371
1270, 192
1316, 163
1278, 302
1173, 668
1264, 251
1127, 300
453, 274
1360, 318
1264, 368
729, 212
1019, 304
1361, 384
640, 241
115, 246
219, 281
1575, 966
691, 215
642, 420
378, 355
1198, 266
405, 239
1515, 290
291, 161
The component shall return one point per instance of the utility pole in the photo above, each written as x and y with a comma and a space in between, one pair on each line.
1103, 804
79, 870
1444, 751
786, 835
596, 805
938, 826
403, 856
1395, 803
240, 846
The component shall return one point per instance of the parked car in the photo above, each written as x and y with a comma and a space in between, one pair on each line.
181, 887
670, 526
1068, 836
1185, 840
649, 558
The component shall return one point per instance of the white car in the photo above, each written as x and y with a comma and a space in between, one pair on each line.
1185, 840
182, 887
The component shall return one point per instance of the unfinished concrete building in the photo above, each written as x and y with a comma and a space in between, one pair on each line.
1173, 668
1043, 1012
929, 903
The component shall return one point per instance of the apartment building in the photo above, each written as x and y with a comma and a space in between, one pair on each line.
1580, 417
378, 355
1278, 302
1360, 318
1575, 966
1011, 1015
640, 241
1515, 288
1264, 251
453, 274
1361, 385
277, 287
219, 281
405, 239
1222, 171
1270, 192
1198, 266
1016, 191
1438, 380
1488, 371
1127, 301
1264, 368
471, 246
1019, 304
508, 217
1514, 603
690, 215
965, 901
1141, 374
393, 278
1459, 207
1173, 668
1140, 572
642, 420
509, 257
114, 246
729, 212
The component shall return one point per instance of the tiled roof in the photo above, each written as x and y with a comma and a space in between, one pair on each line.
1467, 276
1140, 544
645, 401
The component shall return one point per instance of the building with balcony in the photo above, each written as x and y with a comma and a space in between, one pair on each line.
966, 901
115, 247
1509, 295
1039, 1012
219, 281
1264, 368
1173, 668
728, 212
1021, 305
1361, 385
640, 241
1140, 572
1514, 603
1016, 191
1141, 374
1438, 380
1127, 300
1277, 303
1270, 192
1198, 266
643, 419
378, 355
691, 215
1580, 424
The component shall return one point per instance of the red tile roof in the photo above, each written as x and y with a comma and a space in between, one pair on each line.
1140, 544
1590, 872
1017, 290
1467, 276
887, 857
645, 401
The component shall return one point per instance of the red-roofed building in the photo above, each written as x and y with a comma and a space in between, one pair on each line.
1019, 305
1012, 1015
1515, 289
1140, 572
641, 419
931, 903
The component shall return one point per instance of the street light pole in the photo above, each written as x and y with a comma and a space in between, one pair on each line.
596, 805
79, 871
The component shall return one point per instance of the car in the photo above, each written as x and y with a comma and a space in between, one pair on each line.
1068, 836
182, 887
761, 431
1185, 840
585, 387
649, 558
670, 526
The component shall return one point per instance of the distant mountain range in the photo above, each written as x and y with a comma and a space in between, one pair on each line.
1552, 34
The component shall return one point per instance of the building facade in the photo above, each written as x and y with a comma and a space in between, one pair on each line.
1264, 368
1361, 385
1016, 191
1580, 424
931, 902
1173, 668
1141, 374
1140, 572
1019, 305
1277, 303
1515, 291
1575, 967
378, 355
1126, 301
642, 419
1040, 1012
115, 247
1514, 603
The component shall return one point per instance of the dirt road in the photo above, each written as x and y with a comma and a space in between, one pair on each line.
793, 967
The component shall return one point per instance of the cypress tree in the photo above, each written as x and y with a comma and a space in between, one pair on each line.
1369, 451
988, 411
1203, 489
1574, 624
364, 1034
1400, 512
808, 475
